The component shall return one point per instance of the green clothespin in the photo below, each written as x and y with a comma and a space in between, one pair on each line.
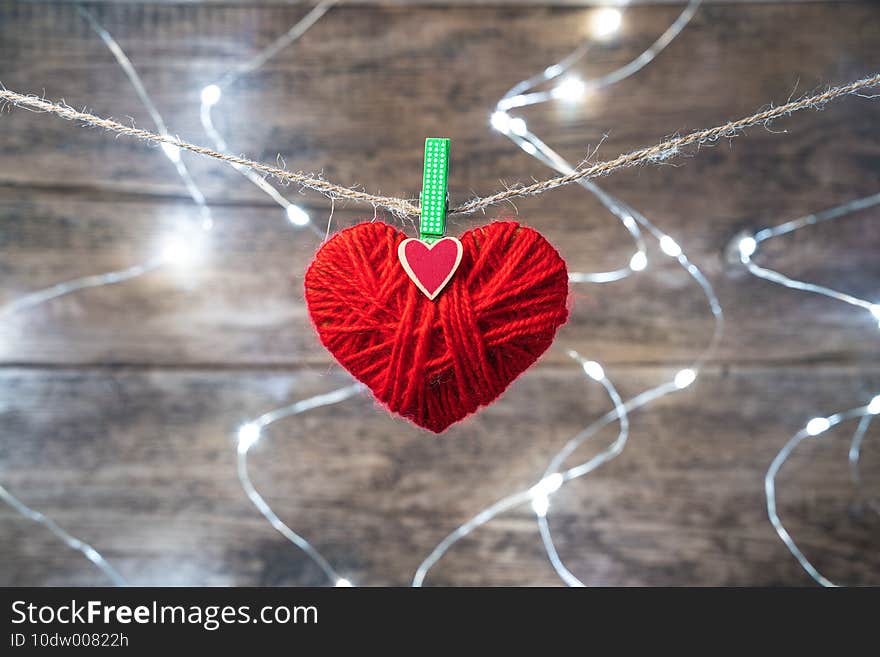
432, 201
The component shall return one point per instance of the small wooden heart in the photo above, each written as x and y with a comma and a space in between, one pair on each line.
430, 266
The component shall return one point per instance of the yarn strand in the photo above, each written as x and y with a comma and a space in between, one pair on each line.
660, 152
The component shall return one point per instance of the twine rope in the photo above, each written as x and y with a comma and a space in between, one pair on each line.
660, 152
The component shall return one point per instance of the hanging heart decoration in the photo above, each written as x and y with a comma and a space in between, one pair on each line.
437, 331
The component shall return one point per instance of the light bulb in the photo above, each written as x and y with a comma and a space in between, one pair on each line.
747, 247
296, 215
343, 583
605, 22
177, 252
211, 94
171, 151
594, 370
500, 121
817, 425
248, 434
571, 88
540, 505
875, 310
874, 406
669, 246
518, 126
683, 378
638, 262
542, 490
207, 219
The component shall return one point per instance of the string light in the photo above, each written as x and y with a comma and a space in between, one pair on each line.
249, 434
77, 284
170, 253
535, 147
570, 89
639, 261
684, 378
549, 484
539, 495
171, 151
594, 370
815, 427
212, 93
518, 126
64, 536
180, 253
540, 504
633, 221
175, 252
297, 216
620, 414
606, 22
746, 246
500, 121
818, 425
185, 251
669, 246
522, 94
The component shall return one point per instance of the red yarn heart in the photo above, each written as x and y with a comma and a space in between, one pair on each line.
436, 361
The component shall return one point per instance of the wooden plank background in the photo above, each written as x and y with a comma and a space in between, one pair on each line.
119, 405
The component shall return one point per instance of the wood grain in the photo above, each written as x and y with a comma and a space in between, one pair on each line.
50, 168
451, 3
141, 463
119, 405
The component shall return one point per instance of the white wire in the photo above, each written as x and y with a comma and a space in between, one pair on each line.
773, 276
854, 455
208, 102
632, 220
747, 249
770, 487
96, 280
68, 539
620, 412
99, 280
251, 432
131, 73
532, 145
517, 96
